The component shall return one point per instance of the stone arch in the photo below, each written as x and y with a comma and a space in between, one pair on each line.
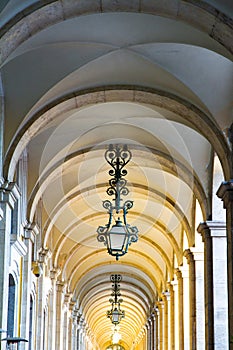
44, 13
197, 119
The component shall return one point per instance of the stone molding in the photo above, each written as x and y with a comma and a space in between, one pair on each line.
225, 192
178, 274
210, 229
9, 193
189, 256
18, 245
60, 286
54, 273
44, 255
31, 230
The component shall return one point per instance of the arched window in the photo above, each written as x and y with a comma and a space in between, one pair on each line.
11, 307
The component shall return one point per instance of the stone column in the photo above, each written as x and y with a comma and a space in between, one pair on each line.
175, 325
157, 330
225, 192
70, 325
83, 335
52, 309
30, 231
66, 321
172, 317
160, 305
145, 338
192, 297
166, 303
59, 314
39, 313
80, 333
200, 298
44, 254
216, 308
9, 194
197, 305
148, 344
180, 309
186, 305
153, 330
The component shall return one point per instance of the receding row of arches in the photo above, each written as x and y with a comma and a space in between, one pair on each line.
76, 77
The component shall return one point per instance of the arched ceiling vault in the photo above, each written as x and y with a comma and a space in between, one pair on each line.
189, 114
91, 73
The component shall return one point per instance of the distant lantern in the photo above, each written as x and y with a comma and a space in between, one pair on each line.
116, 314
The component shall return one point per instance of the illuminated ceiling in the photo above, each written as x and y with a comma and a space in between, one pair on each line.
147, 79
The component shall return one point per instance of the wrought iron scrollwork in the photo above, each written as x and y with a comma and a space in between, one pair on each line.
117, 156
117, 237
115, 314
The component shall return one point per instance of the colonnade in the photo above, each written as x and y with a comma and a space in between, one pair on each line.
191, 312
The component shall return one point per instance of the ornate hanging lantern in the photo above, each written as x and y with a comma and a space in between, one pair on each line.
119, 236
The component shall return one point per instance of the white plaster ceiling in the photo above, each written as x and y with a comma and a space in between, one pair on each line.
66, 141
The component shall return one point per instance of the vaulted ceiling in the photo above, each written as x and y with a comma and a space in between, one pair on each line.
77, 76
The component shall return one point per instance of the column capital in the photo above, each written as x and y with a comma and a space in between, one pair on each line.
160, 304
189, 256
155, 310
44, 254
225, 192
209, 229
53, 274
67, 298
9, 193
178, 274
166, 295
71, 305
30, 231
60, 285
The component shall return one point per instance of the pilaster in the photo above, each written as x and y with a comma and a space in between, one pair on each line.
52, 308
71, 323
153, 329
67, 298
59, 314
186, 305
148, 335
30, 231
9, 194
180, 308
172, 316
166, 301
225, 192
39, 313
157, 330
192, 297
216, 308
41, 326
198, 257
160, 305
